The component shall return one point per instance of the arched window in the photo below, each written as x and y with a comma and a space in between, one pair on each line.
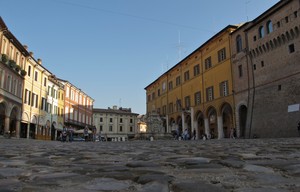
269, 27
239, 46
261, 32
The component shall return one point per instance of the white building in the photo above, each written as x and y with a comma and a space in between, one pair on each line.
116, 124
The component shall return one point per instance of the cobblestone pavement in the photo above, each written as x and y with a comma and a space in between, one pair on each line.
258, 165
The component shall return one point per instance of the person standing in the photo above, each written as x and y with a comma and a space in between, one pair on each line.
299, 128
194, 134
86, 133
232, 133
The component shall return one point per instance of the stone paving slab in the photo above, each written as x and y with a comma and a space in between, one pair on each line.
258, 165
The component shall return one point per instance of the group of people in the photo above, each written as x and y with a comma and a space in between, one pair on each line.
185, 135
67, 134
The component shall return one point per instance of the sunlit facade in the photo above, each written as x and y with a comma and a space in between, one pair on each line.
197, 92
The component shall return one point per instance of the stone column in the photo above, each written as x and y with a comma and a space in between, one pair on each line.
192, 121
167, 122
183, 121
28, 129
6, 124
220, 127
206, 126
18, 124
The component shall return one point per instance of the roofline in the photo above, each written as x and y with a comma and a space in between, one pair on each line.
203, 45
268, 12
117, 111
66, 81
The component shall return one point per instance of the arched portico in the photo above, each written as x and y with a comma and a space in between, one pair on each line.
200, 129
241, 129
212, 127
2, 118
179, 123
226, 123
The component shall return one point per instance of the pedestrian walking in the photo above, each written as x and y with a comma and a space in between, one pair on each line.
232, 133
194, 134
299, 128
86, 133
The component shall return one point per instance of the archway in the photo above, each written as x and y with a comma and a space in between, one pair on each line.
242, 120
13, 122
227, 119
179, 123
200, 124
53, 130
212, 121
189, 125
2, 118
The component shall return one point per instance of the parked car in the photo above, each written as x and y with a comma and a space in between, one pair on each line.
78, 138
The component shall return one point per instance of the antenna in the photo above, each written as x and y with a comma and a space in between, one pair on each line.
246, 8
179, 46
120, 102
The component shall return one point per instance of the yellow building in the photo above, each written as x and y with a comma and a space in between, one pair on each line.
34, 114
196, 94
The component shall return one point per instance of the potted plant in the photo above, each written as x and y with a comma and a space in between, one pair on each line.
18, 68
12, 64
4, 58
23, 72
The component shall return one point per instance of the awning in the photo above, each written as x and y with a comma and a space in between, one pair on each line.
81, 131
58, 127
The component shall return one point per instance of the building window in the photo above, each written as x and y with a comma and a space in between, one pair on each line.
178, 81
240, 70
279, 87
178, 104
29, 70
171, 108
278, 24
291, 48
261, 32
295, 14
239, 45
269, 27
110, 128
254, 66
222, 55
197, 98
131, 129
153, 96
110, 120
164, 87
101, 128
101, 119
262, 63
170, 85
286, 19
45, 82
196, 70
207, 63
35, 75
149, 97
254, 38
121, 120
121, 129
210, 93
186, 75
224, 88
164, 110
158, 92
187, 100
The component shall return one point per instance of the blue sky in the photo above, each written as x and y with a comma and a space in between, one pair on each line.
113, 49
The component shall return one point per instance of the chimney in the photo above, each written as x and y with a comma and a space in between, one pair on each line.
39, 61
